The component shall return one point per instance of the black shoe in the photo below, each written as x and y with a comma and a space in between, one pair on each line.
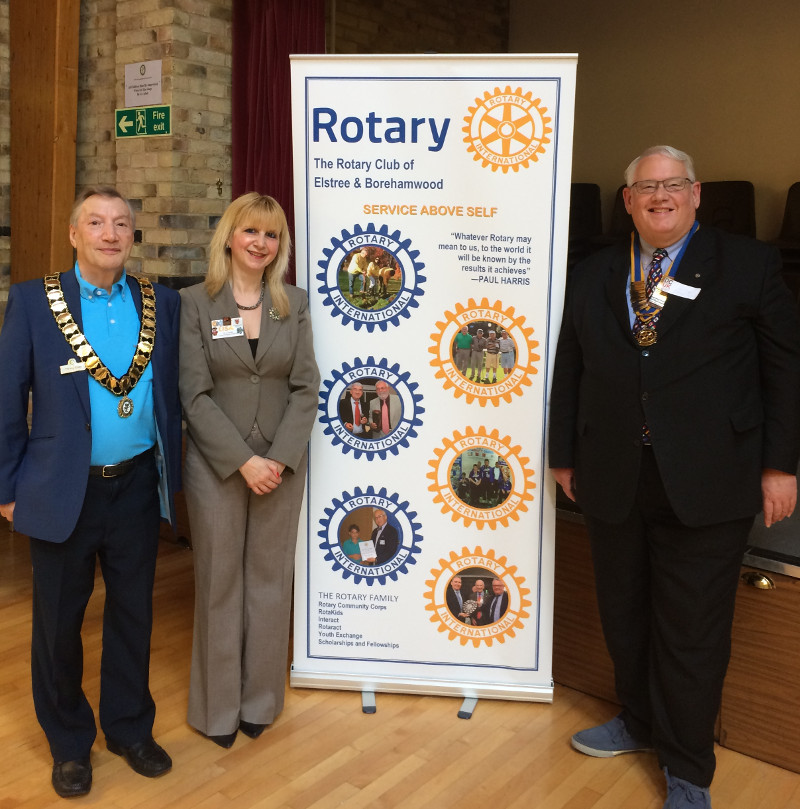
225, 741
252, 729
72, 778
146, 758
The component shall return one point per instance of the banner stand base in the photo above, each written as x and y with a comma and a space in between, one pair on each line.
368, 704
467, 707
423, 686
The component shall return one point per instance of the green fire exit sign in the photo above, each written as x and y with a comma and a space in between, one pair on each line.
138, 122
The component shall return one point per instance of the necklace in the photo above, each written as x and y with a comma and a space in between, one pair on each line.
93, 364
647, 309
256, 304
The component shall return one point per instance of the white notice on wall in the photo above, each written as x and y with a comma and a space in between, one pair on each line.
143, 83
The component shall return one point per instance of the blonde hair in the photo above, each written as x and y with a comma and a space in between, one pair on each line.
263, 212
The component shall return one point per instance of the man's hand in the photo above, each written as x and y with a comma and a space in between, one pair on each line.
7, 511
779, 494
565, 478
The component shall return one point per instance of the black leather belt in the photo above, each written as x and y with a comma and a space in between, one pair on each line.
114, 470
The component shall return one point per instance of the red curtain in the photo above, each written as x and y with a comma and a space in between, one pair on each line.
265, 32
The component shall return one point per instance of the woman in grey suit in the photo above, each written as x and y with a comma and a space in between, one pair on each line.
249, 386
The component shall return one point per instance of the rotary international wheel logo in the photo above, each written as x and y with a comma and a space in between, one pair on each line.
479, 477
371, 277
370, 408
492, 603
484, 352
507, 129
370, 536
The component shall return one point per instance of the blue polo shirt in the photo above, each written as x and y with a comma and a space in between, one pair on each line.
111, 325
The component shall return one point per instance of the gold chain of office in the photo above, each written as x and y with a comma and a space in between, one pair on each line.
82, 348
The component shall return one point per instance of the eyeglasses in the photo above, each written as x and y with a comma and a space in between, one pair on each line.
672, 185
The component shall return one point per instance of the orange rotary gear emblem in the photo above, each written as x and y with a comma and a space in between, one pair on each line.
506, 381
498, 567
507, 129
473, 495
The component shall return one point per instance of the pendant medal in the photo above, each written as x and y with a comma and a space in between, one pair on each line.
646, 336
125, 407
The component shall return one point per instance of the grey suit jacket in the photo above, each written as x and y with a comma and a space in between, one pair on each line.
225, 390
395, 410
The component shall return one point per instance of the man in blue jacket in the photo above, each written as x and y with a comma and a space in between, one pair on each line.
96, 351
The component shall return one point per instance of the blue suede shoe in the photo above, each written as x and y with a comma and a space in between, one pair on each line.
611, 739
684, 795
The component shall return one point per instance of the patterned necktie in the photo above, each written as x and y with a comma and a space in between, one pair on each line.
654, 271
654, 274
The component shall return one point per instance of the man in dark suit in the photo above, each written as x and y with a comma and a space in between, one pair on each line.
481, 598
498, 604
455, 599
98, 350
354, 413
385, 538
673, 421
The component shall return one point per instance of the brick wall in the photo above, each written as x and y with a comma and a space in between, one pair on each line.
96, 150
417, 26
172, 180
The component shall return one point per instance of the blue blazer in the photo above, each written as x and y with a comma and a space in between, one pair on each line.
46, 471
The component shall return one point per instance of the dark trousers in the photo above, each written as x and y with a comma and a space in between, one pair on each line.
666, 594
118, 525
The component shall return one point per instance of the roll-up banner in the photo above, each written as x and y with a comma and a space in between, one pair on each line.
432, 206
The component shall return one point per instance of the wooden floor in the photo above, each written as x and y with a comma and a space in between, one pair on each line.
323, 752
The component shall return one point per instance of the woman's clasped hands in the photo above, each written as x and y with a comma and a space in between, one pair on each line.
262, 475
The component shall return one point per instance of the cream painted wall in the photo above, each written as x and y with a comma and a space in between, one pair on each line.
720, 80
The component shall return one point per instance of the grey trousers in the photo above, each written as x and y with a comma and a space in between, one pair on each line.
244, 546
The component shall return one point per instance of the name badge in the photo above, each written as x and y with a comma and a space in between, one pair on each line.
669, 286
227, 327
72, 366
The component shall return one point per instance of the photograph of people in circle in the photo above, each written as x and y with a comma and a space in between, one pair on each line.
370, 277
481, 478
483, 352
370, 408
476, 597
369, 536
